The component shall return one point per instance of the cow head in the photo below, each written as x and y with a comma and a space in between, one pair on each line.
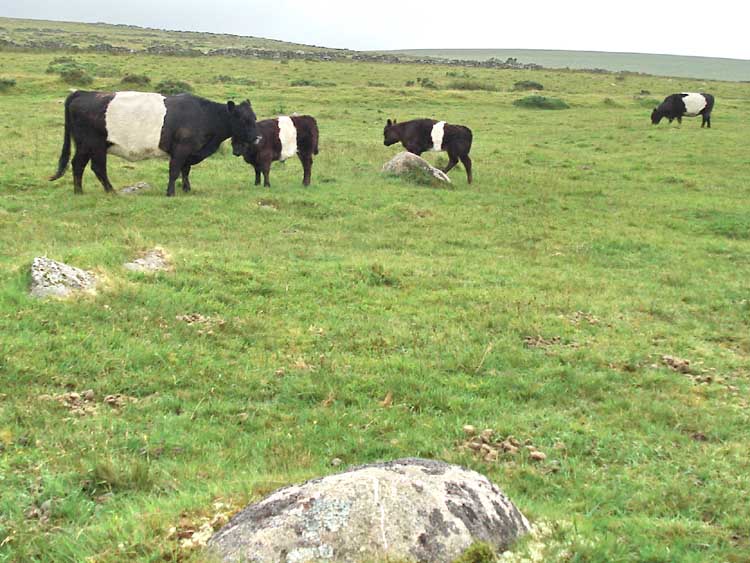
657, 115
391, 133
244, 131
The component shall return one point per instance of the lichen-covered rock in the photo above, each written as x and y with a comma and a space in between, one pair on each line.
154, 260
405, 163
408, 509
50, 278
135, 188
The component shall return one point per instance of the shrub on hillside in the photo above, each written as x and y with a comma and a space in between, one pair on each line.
540, 102
135, 80
527, 85
6, 84
59, 64
468, 84
172, 87
313, 83
76, 76
427, 83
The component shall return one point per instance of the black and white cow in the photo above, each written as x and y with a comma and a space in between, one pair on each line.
279, 139
139, 125
420, 135
690, 104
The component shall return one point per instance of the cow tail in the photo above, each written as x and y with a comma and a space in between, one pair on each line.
62, 164
316, 134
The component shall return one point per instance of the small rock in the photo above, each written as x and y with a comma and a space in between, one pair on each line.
50, 278
486, 435
335, 462
154, 260
135, 188
88, 395
405, 163
469, 430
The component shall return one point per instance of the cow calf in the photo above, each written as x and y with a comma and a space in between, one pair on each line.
280, 138
420, 135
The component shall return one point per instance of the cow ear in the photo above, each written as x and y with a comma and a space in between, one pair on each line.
395, 121
230, 106
388, 123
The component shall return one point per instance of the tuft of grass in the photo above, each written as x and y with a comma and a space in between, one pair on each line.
135, 80
312, 83
172, 87
527, 85
540, 102
76, 76
479, 552
468, 84
6, 84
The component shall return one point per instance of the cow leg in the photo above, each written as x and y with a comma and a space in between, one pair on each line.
307, 163
466, 161
679, 120
257, 174
266, 169
708, 121
452, 161
176, 165
99, 166
186, 178
80, 160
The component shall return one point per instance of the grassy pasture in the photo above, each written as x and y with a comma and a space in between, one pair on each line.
365, 318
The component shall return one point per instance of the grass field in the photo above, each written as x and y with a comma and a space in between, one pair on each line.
659, 65
366, 318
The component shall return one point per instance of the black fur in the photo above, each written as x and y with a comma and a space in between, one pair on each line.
673, 107
193, 129
416, 137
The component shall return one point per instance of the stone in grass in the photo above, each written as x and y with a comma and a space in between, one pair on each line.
154, 260
408, 509
50, 278
135, 188
415, 167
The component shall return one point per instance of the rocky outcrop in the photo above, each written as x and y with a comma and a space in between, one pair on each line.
50, 278
409, 164
407, 510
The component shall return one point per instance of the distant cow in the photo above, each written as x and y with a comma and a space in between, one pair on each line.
280, 138
420, 135
137, 125
675, 106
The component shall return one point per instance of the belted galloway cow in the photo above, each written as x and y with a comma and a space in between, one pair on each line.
420, 135
138, 125
689, 104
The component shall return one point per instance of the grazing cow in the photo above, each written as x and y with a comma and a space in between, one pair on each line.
420, 135
138, 125
280, 138
675, 106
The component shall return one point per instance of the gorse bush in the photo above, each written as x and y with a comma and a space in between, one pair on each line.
136, 80
540, 102
427, 83
468, 84
76, 76
172, 87
312, 83
527, 85
6, 84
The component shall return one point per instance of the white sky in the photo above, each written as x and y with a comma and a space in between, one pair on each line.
717, 28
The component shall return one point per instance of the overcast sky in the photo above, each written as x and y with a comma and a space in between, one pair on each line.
715, 28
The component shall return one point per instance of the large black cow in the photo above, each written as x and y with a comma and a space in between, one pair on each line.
420, 135
280, 138
690, 104
138, 125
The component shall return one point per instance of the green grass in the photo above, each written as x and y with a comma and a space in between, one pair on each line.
537, 301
